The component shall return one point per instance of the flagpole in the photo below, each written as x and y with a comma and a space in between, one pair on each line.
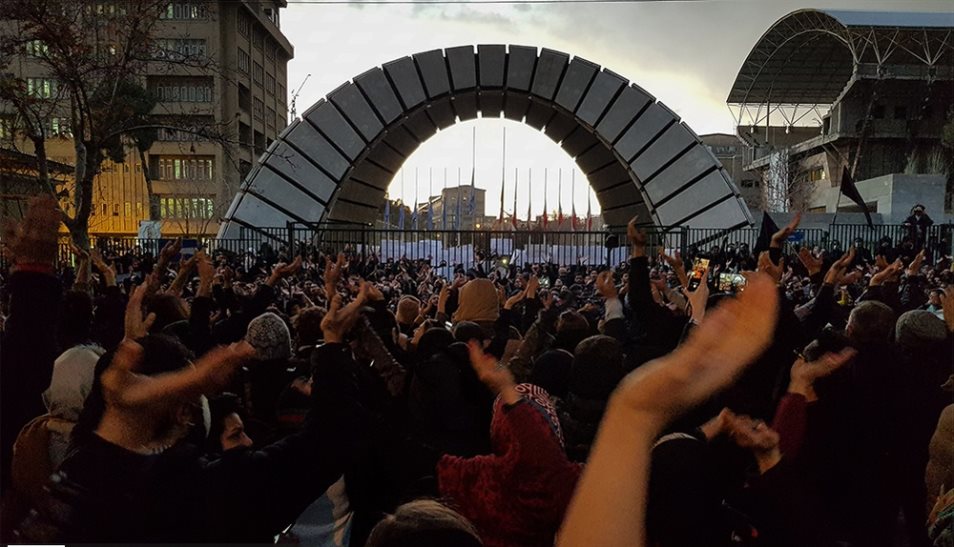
573, 202
514, 216
529, 198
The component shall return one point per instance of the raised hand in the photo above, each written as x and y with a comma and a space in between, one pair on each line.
282, 270
532, 286
804, 374
836, 274
605, 285
767, 266
135, 325
811, 262
779, 237
889, 273
340, 319
728, 339
677, 265
914, 269
108, 271
493, 374
332, 274
637, 238
698, 299
33, 240
169, 251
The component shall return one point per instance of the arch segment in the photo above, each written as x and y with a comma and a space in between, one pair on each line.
335, 163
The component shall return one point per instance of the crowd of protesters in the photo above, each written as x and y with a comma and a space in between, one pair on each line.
796, 397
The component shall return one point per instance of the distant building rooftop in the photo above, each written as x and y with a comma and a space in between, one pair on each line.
811, 56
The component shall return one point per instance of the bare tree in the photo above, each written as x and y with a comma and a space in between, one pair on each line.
95, 56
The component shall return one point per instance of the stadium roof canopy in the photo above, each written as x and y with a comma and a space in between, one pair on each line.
810, 56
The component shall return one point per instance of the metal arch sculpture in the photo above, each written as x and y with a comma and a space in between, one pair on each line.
335, 163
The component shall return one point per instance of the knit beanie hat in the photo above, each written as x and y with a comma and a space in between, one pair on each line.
919, 328
269, 335
478, 302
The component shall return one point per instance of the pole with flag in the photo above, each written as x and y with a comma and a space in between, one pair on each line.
387, 211
472, 203
560, 200
573, 203
444, 202
459, 196
503, 182
514, 216
430, 198
401, 210
849, 189
529, 199
545, 212
589, 210
414, 211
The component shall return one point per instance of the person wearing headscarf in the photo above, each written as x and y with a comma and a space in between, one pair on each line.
516, 495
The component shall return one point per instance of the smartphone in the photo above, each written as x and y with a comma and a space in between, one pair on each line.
544, 282
698, 273
731, 282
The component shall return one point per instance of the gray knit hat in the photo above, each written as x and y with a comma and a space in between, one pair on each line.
269, 335
918, 328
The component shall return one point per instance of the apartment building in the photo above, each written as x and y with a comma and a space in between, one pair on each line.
239, 97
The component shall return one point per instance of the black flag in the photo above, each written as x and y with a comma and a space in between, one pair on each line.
765, 234
850, 191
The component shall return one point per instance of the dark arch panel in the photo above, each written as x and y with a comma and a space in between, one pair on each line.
336, 162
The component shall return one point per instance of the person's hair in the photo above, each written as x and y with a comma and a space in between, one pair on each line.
871, 322
434, 340
168, 309
308, 325
220, 408
465, 331
597, 367
572, 328
424, 523
407, 309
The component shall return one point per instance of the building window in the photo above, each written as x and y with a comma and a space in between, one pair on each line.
257, 73
272, 15
244, 24
189, 168
6, 127
187, 207
816, 174
877, 112
900, 112
41, 88
270, 83
270, 120
244, 61
259, 108
180, 48
182, 90
184, 11
244, 98
37, 48
281, 92
58, 127
270, 51
258, 38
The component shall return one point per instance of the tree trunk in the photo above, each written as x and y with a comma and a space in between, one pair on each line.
154, 211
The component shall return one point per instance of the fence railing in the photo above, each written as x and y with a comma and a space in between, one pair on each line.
462, 246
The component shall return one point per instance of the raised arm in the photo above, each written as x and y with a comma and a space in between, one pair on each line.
609, 507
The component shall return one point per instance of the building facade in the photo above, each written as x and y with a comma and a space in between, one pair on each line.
215, 118
734, 156
872, 92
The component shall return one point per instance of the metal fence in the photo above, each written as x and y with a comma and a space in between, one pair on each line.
461, 246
